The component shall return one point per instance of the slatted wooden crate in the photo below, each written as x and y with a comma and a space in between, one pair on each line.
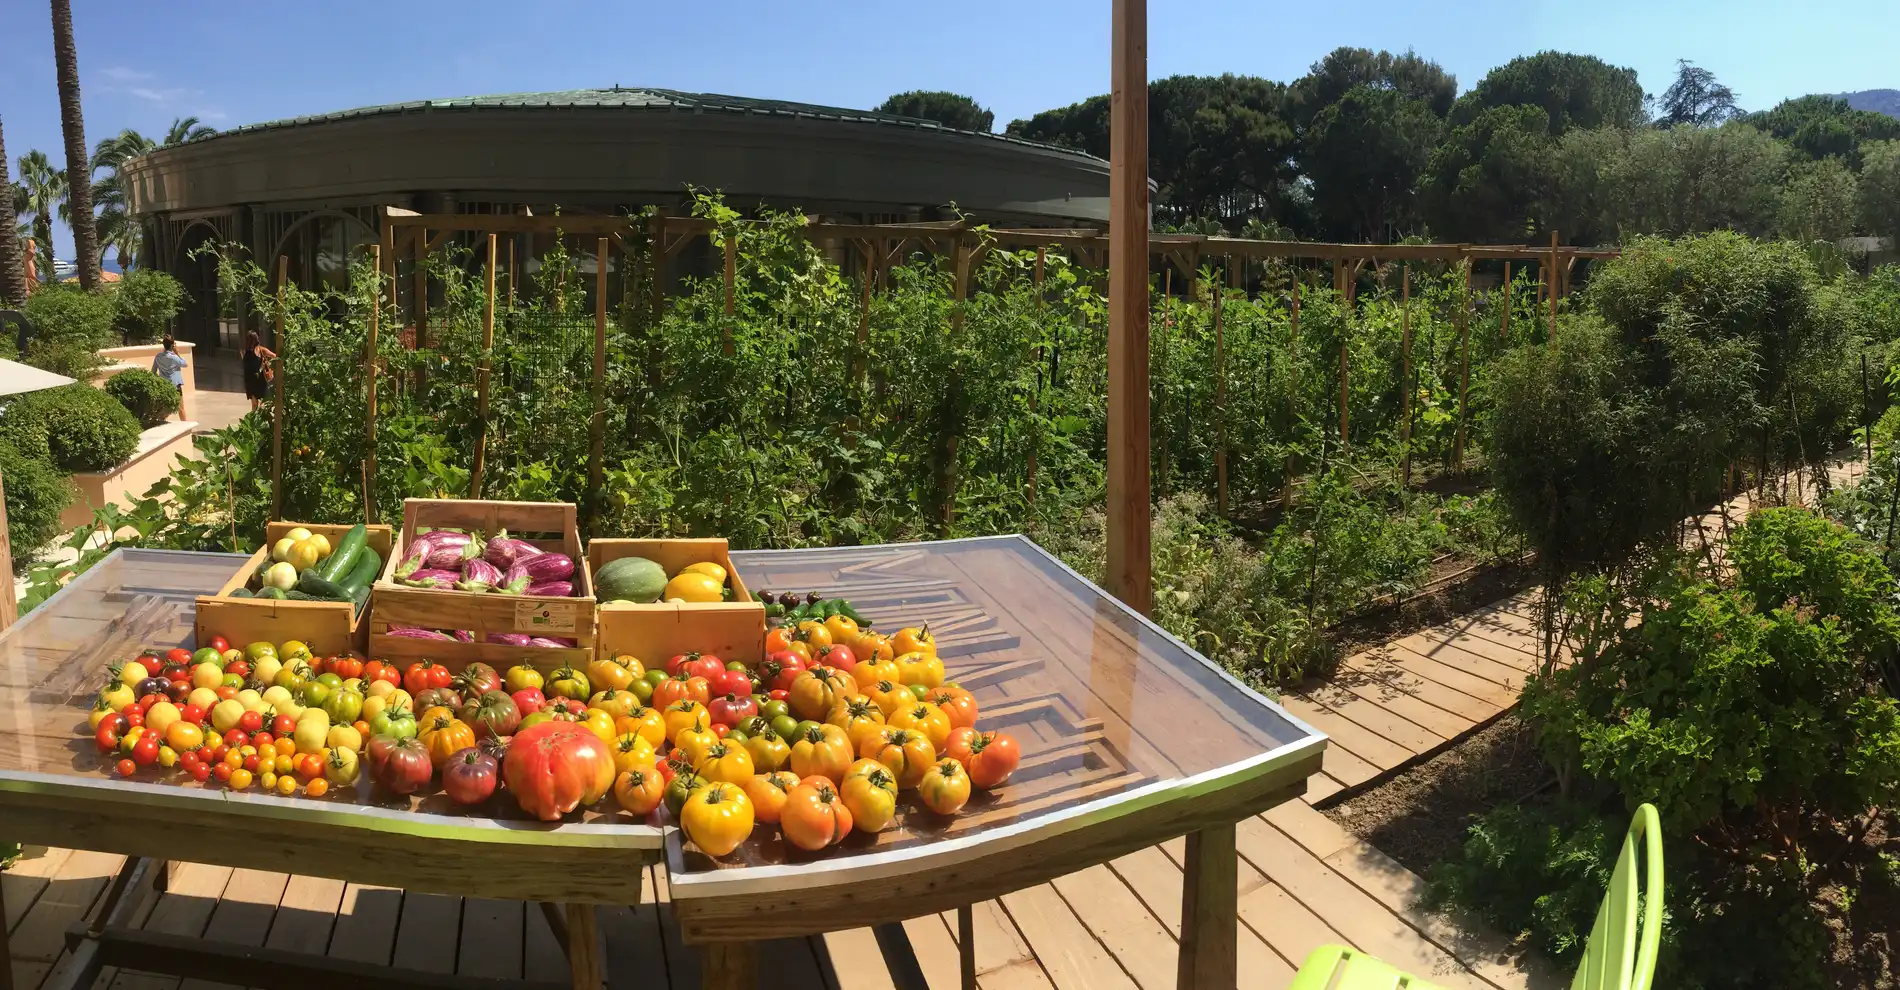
548, 525
732, 630
326, 627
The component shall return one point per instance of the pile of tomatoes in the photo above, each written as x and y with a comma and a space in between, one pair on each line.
850, 722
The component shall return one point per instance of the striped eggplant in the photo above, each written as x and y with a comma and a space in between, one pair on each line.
432, 577
552, 642
414, 632
509, 639
478, 575
503, 550
551, 589
541, 567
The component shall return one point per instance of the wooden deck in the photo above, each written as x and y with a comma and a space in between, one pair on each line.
1303, 881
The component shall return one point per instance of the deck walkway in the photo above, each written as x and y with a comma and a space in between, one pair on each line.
1303, 880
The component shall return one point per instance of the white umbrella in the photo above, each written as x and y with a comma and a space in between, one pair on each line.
17, 378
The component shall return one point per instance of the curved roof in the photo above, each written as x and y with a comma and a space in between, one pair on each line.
622, 144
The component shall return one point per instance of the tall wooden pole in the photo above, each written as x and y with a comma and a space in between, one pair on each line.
1504, 324
1405, 374
9, 604
369, 363
1464, 364
1345, 341
1129, 576
1550, 339
1035, 397
732, 299
1220, 395
1293, 375
481, 376
277, 398
597, 423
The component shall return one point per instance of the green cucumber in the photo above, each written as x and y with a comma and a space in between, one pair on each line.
310, 583
369, 566
343, 556
271, 593
299, 596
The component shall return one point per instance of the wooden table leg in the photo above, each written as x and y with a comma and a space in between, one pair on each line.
966, 946
1209, 912
583, 946
6, 950
728, 966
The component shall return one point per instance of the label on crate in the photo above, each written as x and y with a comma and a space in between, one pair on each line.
546, 617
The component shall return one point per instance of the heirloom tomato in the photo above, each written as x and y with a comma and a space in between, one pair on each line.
681, 687
958, 704
614, 673
599, 723
444, 736
920, 669
945, 787
639, 791
843, 629
724, 761
647, 723
693, 741
381, 670
890, 696
816, 690
470, 776
821, 751
633, 752
555, 767
614, 701
717, 817
990, 757
858, 716
871, 795
420, 676
914, 640
869, 672
907, 752
521, 677
814, 816
401, 765
837, 656
732, 709
568, 682
477, 679
492, 715
769, 752
778, 638
768, 792
685, 714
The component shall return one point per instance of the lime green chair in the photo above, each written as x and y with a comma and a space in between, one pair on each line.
1621, 953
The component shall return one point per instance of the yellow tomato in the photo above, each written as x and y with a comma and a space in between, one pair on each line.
600, 723
725, 761
814, 634
717, 817
692, 586
870, 646
684, 714
869, 672
632, 752
926, 718
647, 723
694, 742
920, 668
914, 640
842, 629
706, 567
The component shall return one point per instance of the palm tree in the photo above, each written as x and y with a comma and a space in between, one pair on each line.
73, 123
185, 129
117, 229
12, 263
41, 192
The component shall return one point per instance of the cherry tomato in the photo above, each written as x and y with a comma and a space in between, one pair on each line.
283, 725
219, 643
222, 771
126, 768
133, 716
317, 787
145, 751
199, 772
263, 740
251, 722
235, 737
779, 694
178, 654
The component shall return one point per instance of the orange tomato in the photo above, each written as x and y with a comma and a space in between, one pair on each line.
681, 686
869, 672
945, 787
914, 640
431, 714
958, 704
769, 792
990, 757
857, 715
647, 723
600, 723
814, 816
823, 751
907, 753
445, 737
926, 718
815, 691
780, 638
632, 752
639, 791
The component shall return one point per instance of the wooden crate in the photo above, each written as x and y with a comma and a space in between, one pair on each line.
732, 630
326, 627
548, 525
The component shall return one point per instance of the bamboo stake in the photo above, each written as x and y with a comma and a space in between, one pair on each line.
1293, 378
1504, 326
1405, 374
277, 398
1464, 365
481, 375
1220, 397
1345, 335
375, 318
597, 423
1550, 339
1035, 396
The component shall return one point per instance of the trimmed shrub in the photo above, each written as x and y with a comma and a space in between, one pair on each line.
147, 301
36, 495
86, 429
146, 395
69, 327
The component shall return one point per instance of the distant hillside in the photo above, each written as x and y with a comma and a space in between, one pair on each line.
1885, 101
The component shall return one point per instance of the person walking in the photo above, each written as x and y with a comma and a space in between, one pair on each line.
171, 367
257, 369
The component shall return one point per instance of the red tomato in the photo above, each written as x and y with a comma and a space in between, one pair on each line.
283, 725
732, 682
555, 767
425, 674
126, 768
199, 772
225, 692
178, 654
262, 739
242, 668
145, 751
219, 643
110, 730
347, 667
378, 670
234, 738
990, 757
785, 666
222, 771
778, 694
696, 665
251, 721
840, 657
133, 716
732, 709
529, 700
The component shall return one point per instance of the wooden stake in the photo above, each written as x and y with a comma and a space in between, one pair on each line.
481, 375
511, 272
1220, 399
375, 317
9, 602
1405, 374
1345, 338
966, 947
864, 318
732, 299
1035, 396
1464, 365
1550, 339
277, 398
597, 423
419, 290
1293, 378
1129, 574
1504, 325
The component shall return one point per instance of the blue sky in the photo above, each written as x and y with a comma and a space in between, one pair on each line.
230, 63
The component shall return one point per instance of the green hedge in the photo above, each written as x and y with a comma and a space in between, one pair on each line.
146, 395
85, 429
36, 495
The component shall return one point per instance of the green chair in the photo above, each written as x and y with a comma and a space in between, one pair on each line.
1621, 953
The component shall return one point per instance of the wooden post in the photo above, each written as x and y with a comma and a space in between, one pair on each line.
419, 289
597, 423
1550, 339
511, 271
864, 315
1220, 397
1405, 374
728, 966
277, 398
966, 947
375, 318
9, 603
1129, 563
1293, 375
1209, 911
1504, 325
1464, 365
583, 946
1035, 397
481, 375
1345, 339
732, 299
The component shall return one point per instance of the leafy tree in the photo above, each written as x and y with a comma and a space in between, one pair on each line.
1696, 99
1880, 189
1346, 69
1823, 126
1572, 90
1364, 155
185, 129
41, 192
1489, 177
1614, 183
12, 262
949, 109
1819, 201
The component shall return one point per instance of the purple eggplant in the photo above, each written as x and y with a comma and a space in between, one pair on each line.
464, 635
541, 567
551, 589
432, 577
413, 632
551, 642
509, 639
503, 550
478, 575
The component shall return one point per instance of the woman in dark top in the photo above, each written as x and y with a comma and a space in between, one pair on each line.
257, 373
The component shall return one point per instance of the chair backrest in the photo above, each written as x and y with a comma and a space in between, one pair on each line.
1621, 953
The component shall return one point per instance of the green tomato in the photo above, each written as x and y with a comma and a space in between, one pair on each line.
291, 678
737, 735
343, 707
206, 654
334, 680
532, 720
654, 677
798, 731
922, 692
315, 693
396, 723
784, 726
258, 651
642, 689
773, 709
